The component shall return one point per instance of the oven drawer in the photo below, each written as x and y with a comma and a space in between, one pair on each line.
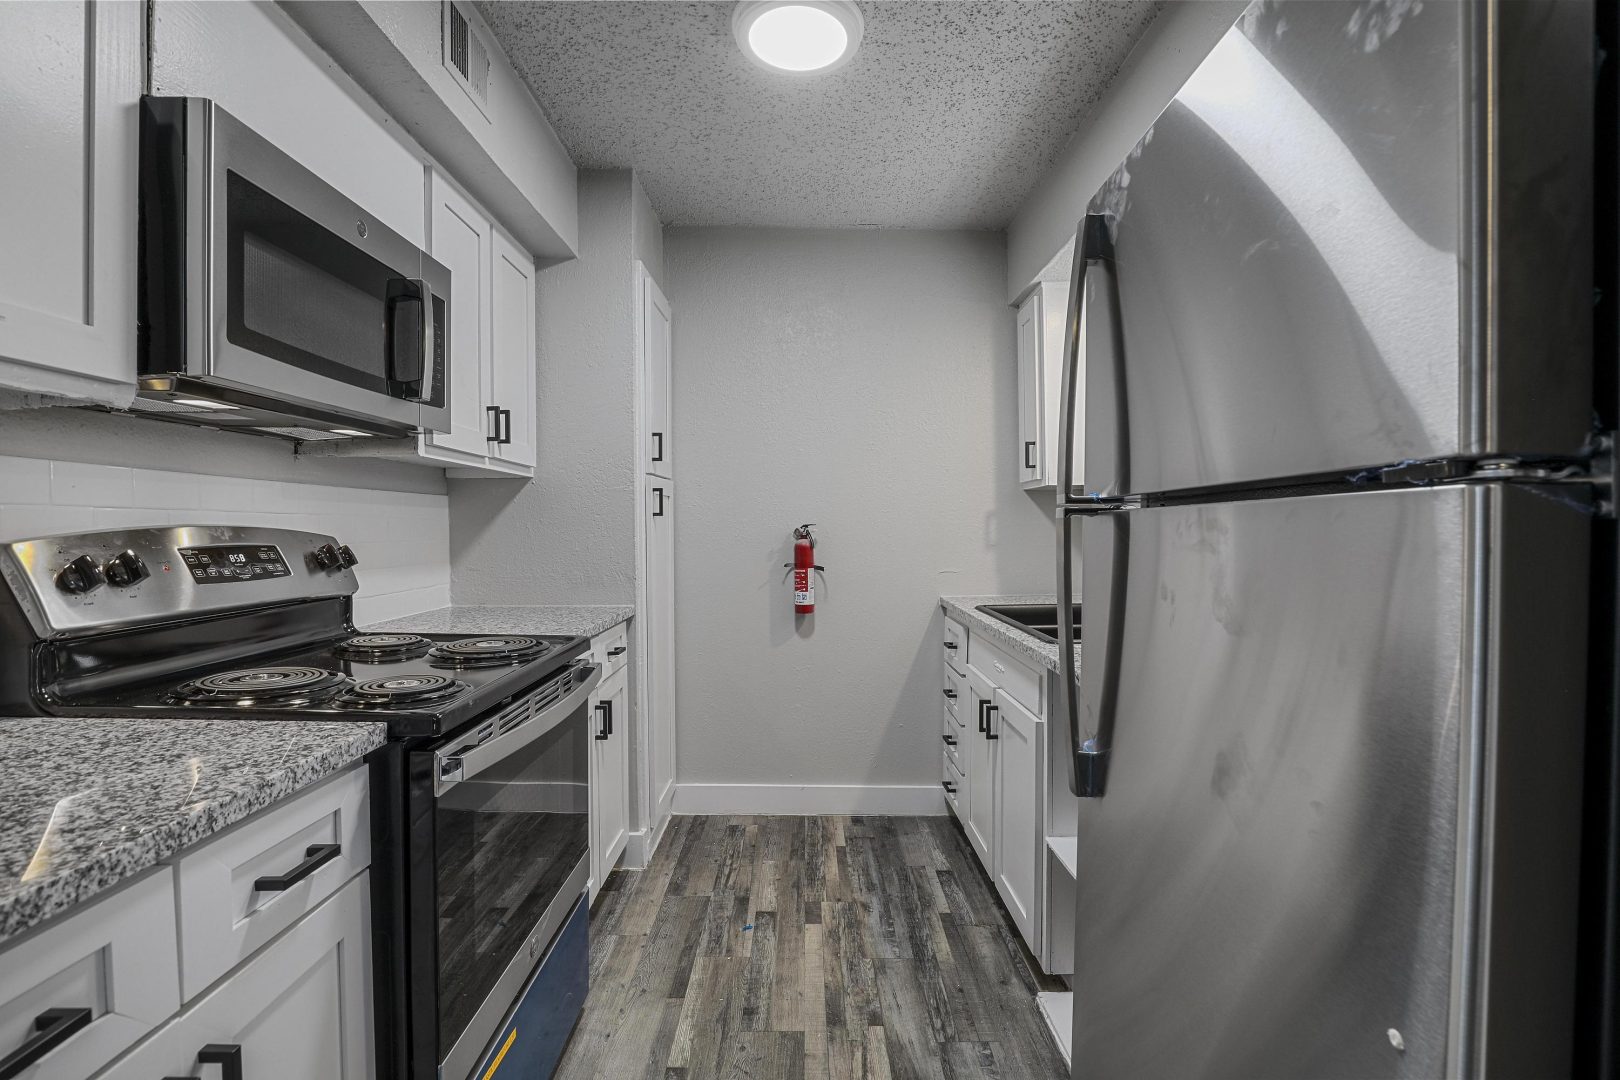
114, 958
230, 901
611, 649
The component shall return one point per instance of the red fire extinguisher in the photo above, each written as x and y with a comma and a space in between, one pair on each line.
804, 564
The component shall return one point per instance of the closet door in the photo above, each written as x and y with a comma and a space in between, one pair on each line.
655, 344
659, 667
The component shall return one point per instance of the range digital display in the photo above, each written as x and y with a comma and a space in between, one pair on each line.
233, 562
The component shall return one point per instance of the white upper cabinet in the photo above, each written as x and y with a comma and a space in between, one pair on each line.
1042, 322
654, 328
462, 241
511, 384
70, 85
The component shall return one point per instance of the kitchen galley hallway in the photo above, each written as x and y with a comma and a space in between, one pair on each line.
823, 948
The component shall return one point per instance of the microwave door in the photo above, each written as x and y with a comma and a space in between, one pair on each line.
300, 286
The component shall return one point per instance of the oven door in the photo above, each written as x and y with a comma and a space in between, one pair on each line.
510, 855
290, 290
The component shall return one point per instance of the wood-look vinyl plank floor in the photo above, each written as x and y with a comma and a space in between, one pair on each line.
809, 948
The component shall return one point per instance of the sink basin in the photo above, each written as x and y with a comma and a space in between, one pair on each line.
1037, 620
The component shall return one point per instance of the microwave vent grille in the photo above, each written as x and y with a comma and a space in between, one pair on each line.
466, 56
303, 434
160, 405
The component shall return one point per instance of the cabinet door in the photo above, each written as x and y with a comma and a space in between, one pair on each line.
1031, 444
982, 777
656, 341
462, 239
1020, 837
1053, 337
610, 777
70, 81
512, 357
659, 654
300, 1007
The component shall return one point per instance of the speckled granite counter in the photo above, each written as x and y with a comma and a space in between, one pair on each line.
90, 803
964, 609
586, 620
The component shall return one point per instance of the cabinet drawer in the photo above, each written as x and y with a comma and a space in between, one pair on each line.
116, 958
225, 916
951, 734
956, 644
1021, 682
611, 649
954, 693
953, 783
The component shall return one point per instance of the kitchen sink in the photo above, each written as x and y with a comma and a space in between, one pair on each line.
1037, 620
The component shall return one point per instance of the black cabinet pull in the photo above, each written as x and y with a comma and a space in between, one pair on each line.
492, 413
988, 709
982, 705
228, 1056
951, 645
948, 786
658, 454
505, 427
951, 694
315, 857
52, 1028
604, 713
660, 493
1029, 451
950, 740
620, 651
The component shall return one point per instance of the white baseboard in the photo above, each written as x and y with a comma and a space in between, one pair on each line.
804, 799
640, 845
1058, 1012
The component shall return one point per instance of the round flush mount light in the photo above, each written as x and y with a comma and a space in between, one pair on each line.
797, 37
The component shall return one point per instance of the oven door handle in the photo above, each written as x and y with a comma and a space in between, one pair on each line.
455, 764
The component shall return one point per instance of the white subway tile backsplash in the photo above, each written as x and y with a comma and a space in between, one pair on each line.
78, 483
403, 538
24, 481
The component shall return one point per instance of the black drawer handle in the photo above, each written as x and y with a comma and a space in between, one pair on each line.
658, 455
52, 1028
620, 651
950, 740
660, 493
1029, 451
982, 706
951, 645
948, 786
604, 711
315, 857
988, 709
951, 694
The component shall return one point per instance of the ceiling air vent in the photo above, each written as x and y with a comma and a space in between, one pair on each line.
466, 55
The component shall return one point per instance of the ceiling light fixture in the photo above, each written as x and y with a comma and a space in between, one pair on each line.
798, 37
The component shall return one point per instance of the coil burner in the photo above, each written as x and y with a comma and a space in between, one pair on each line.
488, 652
382, 648
257, 687
402, 691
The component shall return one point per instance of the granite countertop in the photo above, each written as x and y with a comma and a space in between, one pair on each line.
91, 803
965, 610
585, 620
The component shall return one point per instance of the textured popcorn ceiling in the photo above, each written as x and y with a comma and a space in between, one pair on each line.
946, 118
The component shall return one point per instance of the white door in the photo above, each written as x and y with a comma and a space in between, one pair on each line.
512, 356
1031, 445
1020, 837
70, 81
610, 776
980, 759
656, 373
659, 654
301, 1007
461, 241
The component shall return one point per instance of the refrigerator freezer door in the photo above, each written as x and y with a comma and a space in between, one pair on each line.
1306, 274
1276, 881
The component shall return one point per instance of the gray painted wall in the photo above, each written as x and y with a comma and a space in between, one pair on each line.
866, 381
1171, 50
568, 536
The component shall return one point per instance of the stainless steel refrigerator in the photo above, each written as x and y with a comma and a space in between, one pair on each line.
1333, 314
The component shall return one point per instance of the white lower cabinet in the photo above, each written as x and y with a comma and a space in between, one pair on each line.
1020, 838
299, 1008
610, 775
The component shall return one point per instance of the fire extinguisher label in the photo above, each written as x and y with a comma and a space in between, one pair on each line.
804, 597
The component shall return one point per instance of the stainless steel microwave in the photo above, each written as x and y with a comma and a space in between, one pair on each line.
270, 302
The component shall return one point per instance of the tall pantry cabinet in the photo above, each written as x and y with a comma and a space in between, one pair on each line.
656, 627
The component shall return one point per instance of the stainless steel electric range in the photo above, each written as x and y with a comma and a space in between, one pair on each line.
479, 800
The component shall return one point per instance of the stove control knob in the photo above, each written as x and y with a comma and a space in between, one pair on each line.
80, 576
346, 555
126, 568
327, 557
